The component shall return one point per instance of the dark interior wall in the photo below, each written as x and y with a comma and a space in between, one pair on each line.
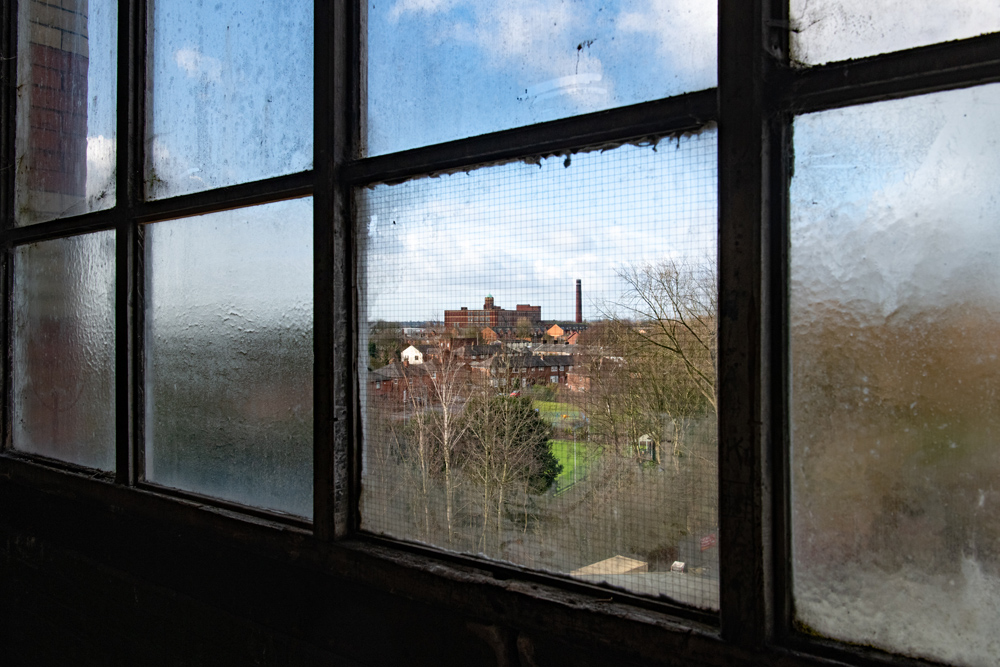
95, 574
82, 585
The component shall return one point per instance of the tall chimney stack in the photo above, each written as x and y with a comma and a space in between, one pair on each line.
579, 303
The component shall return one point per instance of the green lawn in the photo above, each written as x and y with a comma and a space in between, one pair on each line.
563, 451
554, 412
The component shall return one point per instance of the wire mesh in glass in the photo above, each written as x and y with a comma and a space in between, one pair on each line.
538, 365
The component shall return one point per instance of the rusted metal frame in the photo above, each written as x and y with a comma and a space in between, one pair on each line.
130, 52
201, 499
353, 432
61, 228
220, 199
6, 338
926, 69
324, 110
688, 112
505, 571
335, 376
832, 652
68, 483
777, 370
774, 313
744, 426
8, 101
350, 26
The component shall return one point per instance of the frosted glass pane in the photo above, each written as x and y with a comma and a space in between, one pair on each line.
229, 93
445, 69
229, 355
67, 82
520, 399
828, 30
895, 351
64, 346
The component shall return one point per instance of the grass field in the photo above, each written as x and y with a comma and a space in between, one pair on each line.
553, 412
563, 451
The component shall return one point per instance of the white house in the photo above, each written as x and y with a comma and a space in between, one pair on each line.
415, 354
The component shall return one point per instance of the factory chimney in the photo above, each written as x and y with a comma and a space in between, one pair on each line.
579, 303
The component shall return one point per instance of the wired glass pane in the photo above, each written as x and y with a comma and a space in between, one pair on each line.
538, 364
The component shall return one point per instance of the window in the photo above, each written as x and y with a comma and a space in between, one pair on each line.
198, 254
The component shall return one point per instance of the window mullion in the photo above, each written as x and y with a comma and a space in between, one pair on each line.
8, 74
333, 398
128, 149
743, 420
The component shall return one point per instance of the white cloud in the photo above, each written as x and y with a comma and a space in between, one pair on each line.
197, 65
827, 31
551, 44
403, 7
525, 234
686, 32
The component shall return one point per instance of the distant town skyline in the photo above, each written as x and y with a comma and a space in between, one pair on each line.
524, 233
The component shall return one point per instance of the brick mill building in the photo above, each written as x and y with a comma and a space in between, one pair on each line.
492, 316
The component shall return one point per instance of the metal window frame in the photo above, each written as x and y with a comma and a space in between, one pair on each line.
758, 94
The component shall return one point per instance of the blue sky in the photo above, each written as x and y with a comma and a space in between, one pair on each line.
231, 92
525, 232
231, 101
444, 69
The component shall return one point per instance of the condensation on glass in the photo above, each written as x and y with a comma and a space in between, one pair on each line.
229, 96
519, 401
229, 357
439, 71
895, 375
66, 87
64, 342
823, 31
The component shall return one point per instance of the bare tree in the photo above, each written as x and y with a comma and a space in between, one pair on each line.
673, 306
449, 389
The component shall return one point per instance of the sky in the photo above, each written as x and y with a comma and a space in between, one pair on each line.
471, 67
101, 100
524, 233
828, 30
230, 101
230, 93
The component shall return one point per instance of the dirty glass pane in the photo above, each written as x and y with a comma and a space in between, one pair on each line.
520, 399
827, 30
64, 344
66, 76
895, 361
229, 355
443, 69
229, 93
